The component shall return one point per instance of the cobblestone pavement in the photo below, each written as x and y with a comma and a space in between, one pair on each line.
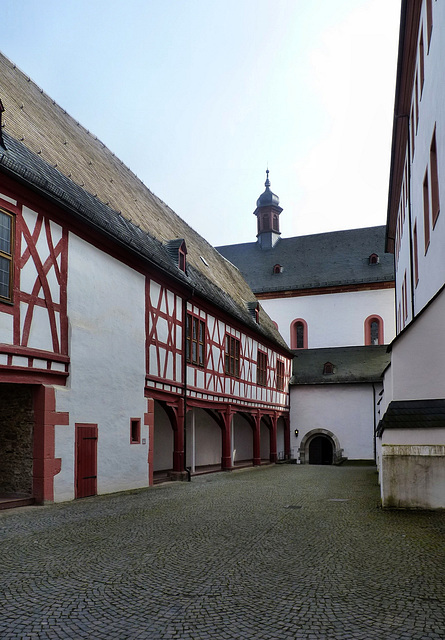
274, 553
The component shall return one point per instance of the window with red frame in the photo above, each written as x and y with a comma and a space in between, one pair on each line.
261, 369
280, 375
232, 356
6, 255
195, 340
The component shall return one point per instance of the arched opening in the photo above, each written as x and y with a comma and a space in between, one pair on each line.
204, 442
321, 450
242, 441
281, 442
264, 441
163, 444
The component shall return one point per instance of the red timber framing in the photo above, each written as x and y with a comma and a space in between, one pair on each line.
45, 464
180, 386
39, 288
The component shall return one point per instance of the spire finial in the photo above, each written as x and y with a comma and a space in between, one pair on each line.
267, 183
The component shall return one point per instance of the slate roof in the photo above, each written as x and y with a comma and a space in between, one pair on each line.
328, 259
53, 154
418, 414
351, 365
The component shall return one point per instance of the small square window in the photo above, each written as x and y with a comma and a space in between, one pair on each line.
135, 430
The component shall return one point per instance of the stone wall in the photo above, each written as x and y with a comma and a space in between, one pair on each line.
16, 439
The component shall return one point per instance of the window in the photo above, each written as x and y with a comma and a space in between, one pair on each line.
421, 62
328, 369
426, 211
195, 340
429, 21
373, 258
374, 330
232, 356
261, 369
6, 255
435, 204
416, 258
416, 93
298, 334
181, 257
278, 268
135, 431
280, 375
275, 223
411, 120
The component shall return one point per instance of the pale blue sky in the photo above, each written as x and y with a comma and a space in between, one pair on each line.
198, 96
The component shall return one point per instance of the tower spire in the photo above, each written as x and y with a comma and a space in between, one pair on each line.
268, 214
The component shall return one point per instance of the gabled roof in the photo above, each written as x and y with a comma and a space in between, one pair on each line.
350, 365
336, 258
53, 154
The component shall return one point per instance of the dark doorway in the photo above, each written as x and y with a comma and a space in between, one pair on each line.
321, 450
86, 460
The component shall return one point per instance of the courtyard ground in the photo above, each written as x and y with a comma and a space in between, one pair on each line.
284, 552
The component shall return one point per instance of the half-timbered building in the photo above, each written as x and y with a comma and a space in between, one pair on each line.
130, 349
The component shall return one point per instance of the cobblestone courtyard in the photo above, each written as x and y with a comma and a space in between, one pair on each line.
281, 552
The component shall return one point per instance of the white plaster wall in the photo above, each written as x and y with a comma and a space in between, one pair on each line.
335, 319
106, 311
345, 410
208, 440
264, 442
6, 328
242, 444
431, 115
418, 356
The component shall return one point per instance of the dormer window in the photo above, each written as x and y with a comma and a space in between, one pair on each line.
278, 268
178, 251
373, 259
328, 368
181, 257
254, 310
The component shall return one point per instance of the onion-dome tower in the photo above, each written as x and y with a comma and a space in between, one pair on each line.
268, 214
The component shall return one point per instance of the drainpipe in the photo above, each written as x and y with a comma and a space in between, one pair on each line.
184, 374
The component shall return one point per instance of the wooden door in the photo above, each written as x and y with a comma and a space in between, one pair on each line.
86, 460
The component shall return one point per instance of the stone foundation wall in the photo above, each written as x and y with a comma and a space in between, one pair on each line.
16, 439
413, 476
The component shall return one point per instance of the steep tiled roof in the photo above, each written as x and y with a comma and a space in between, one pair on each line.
55, 155
329, 259
350, 364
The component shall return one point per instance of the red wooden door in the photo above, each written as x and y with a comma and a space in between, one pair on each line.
86, 460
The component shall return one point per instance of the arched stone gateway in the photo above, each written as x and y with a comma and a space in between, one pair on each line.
320, 446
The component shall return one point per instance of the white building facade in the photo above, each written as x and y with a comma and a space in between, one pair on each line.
411, 446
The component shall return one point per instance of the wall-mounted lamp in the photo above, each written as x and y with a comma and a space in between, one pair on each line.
296, 433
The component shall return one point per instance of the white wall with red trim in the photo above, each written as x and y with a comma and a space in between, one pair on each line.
334, 319
106, 310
